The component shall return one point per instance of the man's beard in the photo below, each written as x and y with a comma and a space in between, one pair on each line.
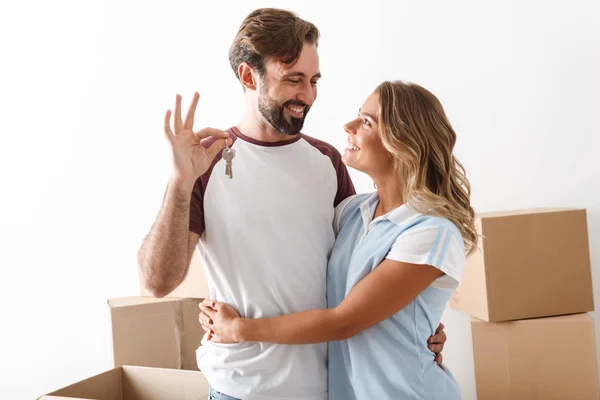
274, 113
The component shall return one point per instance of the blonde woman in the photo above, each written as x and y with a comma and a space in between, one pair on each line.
399, 254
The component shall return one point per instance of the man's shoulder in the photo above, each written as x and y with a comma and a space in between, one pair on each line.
322, 146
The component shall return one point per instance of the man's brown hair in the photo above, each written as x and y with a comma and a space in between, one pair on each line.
270, 33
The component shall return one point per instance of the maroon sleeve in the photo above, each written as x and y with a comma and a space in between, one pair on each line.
197, 206
345, 187
197, 200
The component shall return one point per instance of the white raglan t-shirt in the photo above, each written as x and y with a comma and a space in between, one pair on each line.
265, 238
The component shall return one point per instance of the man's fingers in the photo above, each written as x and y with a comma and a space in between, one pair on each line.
168, 131
440, 328
207, 132
217, 146
189, 118
178, 123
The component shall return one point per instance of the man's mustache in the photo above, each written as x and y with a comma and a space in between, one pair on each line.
296, 103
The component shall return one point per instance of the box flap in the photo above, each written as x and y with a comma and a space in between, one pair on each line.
163, 333
191, 333
141, 383
104, 386
147, 334
137, 383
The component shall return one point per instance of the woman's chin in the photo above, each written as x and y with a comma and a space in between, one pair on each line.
349, 159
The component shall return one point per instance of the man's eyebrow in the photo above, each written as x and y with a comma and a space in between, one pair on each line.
301, 74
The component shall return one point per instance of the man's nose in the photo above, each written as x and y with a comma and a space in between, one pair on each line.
307, 95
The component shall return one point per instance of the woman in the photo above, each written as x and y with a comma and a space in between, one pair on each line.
398, 256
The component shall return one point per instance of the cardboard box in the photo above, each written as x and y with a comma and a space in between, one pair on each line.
532, 263
543, 358
137, 383
152, 332
194, 286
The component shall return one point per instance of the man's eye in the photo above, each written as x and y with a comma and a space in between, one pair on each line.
293, 80
314, 83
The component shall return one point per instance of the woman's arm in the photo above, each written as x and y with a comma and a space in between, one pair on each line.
382, 293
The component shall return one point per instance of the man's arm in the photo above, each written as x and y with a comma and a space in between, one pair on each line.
166, 252
165, 255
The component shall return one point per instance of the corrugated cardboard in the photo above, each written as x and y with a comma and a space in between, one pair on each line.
137, 383
152, 332
545, 358
530, 263
194, 286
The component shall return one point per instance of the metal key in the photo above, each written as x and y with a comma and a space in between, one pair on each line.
227, 155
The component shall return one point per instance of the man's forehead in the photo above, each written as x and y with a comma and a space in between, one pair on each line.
297, 69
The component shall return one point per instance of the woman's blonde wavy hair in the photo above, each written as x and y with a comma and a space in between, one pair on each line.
416, 132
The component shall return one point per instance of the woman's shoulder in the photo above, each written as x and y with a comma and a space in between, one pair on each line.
345, 209
427, 224
431, 219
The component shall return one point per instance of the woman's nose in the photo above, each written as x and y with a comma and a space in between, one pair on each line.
350, 127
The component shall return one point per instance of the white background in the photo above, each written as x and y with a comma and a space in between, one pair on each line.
84, 86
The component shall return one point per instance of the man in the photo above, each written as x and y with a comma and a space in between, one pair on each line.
266, 234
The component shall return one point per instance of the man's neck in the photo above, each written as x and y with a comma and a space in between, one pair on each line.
261, 130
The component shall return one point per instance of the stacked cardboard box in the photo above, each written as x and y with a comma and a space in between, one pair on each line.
154, 344
528, 289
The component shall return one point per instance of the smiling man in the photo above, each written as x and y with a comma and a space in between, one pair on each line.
265, 236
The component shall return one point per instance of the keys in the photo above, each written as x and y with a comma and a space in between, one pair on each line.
227, 155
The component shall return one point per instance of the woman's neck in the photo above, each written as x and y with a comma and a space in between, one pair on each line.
390, 195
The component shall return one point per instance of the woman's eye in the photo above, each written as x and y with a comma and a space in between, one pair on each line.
366, 122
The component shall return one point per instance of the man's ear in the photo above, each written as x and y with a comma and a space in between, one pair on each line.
248, 76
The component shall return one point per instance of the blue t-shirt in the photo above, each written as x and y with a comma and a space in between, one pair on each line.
390, 360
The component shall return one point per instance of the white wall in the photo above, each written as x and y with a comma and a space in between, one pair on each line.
83, 163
